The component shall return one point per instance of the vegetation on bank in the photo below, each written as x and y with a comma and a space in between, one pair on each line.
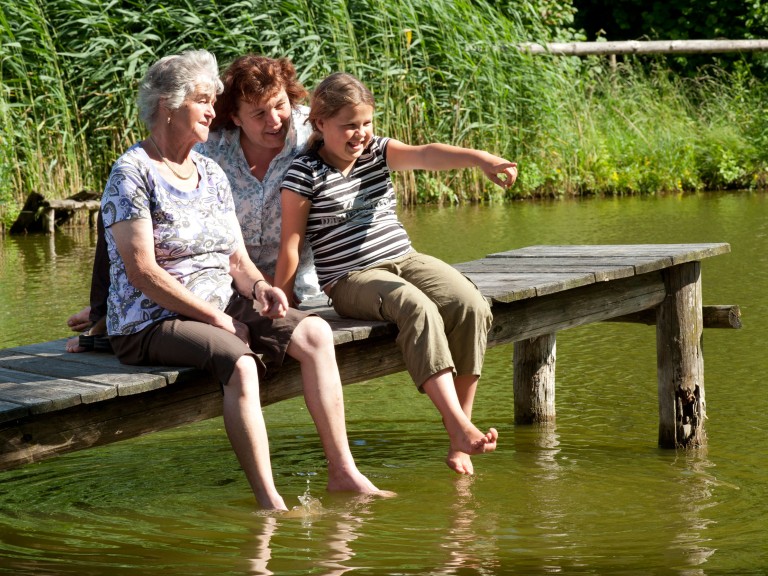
442, 70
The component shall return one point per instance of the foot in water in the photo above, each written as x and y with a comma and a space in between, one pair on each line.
459, 462
355, 482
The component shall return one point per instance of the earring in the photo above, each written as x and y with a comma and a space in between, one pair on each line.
169, 119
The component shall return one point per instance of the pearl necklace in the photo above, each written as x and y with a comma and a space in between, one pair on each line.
179, 176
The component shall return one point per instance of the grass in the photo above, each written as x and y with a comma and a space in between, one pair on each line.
443, 70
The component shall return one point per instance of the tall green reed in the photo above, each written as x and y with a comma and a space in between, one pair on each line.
441, 70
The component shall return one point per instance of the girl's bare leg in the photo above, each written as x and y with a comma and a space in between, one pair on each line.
465, 437
466, 386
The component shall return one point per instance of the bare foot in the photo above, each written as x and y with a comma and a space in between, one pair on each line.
471, 441
80, 320
459, 462
73, 345
273, 502
354, 482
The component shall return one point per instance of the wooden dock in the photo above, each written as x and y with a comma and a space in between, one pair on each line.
52, 402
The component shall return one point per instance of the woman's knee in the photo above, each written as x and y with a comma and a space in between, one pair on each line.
244, 379
310, 335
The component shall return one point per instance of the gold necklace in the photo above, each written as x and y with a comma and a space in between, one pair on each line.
179, 176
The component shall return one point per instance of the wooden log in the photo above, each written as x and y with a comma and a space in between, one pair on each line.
680, 359
719, 316
69, 204
534, 379
644, 47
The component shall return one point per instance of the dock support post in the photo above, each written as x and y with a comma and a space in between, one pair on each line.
49, 220
534, 379
680, 359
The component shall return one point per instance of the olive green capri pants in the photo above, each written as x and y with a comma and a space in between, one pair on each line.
442, 318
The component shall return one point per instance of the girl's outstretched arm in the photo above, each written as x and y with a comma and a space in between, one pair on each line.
292, 231
401, 156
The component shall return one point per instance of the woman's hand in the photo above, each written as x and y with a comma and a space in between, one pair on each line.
229, 324
242, 332
274, 303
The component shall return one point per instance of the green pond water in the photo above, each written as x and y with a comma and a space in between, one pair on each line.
592, 494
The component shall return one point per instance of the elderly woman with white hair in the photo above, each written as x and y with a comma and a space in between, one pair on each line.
183, 290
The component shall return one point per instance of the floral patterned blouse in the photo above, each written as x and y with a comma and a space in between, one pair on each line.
257, 202
193, 235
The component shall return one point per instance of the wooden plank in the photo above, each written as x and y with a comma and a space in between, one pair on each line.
89, 425
679, 253
195, 397
347, 329
41, 394
498, 288
640, 265
600, 272
508, 287
93, 367
12, 411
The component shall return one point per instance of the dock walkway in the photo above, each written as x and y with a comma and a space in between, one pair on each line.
52, 402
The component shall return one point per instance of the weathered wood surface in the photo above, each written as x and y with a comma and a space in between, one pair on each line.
52, 402
720, 316
680, 359
533, 381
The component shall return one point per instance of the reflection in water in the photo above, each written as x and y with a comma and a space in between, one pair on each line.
694, 483
593, 496
261, 553
330, 532
469, 547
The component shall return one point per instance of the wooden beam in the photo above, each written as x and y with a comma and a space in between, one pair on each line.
719, 316
549, 314
644, 47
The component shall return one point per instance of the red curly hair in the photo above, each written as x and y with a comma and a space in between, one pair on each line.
254, 79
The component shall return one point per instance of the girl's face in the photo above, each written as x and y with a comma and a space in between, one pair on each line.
346, 134
265, 124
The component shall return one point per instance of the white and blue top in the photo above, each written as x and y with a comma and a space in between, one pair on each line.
194, 232
258, 201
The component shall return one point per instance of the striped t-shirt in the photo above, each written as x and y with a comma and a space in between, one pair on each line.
352, 222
